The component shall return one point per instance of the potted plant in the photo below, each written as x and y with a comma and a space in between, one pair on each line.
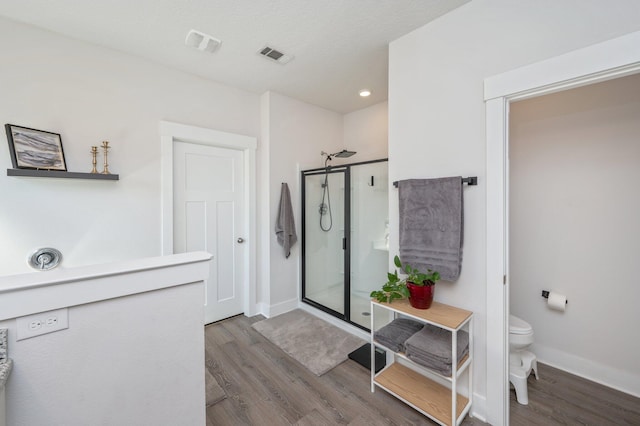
417, 286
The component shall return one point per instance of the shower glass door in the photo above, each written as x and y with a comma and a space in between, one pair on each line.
369, 249
345, 252
324, 240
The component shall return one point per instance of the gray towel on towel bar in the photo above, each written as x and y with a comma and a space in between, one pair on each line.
285, 226
431, 224
394, 334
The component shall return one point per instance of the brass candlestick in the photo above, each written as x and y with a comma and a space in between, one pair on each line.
94, 158
105, 147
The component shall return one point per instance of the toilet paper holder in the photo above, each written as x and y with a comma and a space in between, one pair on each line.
545, 294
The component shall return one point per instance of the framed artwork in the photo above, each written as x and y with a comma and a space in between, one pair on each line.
35, 149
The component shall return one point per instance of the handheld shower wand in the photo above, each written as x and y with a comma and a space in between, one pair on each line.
326, 207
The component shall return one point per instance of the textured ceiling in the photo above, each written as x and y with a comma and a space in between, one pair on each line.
339, 46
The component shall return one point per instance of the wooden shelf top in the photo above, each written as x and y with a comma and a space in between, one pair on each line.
425, 394
439, 313
60, 174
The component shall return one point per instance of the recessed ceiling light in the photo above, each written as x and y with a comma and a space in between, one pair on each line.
365, 92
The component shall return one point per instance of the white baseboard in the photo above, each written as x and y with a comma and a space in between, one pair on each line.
279, 308
261, 309
624, 381
479, 407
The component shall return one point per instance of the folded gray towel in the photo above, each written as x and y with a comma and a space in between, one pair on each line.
394, 334
439, 366
436, 342
431, 224
285, 226
431, 348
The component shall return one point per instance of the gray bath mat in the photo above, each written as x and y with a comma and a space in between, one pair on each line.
314, 343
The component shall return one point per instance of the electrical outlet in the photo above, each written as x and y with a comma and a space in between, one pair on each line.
41, 323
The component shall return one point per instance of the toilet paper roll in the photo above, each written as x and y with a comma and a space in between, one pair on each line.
557, 301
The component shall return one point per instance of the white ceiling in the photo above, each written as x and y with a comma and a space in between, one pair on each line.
339, 46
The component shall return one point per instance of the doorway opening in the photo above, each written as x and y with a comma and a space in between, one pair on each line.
596, 63
574, 158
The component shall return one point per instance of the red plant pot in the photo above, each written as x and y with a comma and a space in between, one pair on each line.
420, 296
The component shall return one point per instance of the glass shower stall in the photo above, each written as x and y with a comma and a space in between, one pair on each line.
345, 236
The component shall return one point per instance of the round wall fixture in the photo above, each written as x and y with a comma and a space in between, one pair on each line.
45, 259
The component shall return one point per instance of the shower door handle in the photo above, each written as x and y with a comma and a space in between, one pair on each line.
344, 243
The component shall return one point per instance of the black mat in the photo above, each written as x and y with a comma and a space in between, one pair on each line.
362, 356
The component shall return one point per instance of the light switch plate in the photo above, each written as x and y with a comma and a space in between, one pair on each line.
41, 323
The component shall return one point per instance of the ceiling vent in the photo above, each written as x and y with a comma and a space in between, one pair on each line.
275, 55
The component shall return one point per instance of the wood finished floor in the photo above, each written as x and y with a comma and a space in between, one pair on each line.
265, 386
560, 398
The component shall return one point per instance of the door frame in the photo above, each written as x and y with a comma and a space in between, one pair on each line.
174, 132
593, 64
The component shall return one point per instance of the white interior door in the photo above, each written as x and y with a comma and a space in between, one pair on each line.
208, 215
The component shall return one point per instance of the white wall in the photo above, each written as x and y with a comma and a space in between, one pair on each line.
297, 132
366, 131
293, 134
89, 94
133, 352
574, 203
130, 360
437, 114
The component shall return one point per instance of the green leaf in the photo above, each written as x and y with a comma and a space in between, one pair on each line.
396, 261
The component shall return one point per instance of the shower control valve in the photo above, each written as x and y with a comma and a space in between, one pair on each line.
45, 258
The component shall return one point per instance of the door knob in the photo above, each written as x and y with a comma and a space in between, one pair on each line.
240, 240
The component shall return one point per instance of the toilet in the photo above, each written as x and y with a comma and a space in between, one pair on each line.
521, 361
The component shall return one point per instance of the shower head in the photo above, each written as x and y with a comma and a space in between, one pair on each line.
344, 154
340, 154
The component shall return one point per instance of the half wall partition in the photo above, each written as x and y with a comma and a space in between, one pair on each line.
345, 238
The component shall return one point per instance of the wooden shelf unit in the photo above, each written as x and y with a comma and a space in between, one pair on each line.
438, 402
60, 174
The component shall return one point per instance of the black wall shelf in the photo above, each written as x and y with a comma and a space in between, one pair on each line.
60, 174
